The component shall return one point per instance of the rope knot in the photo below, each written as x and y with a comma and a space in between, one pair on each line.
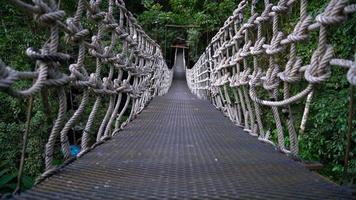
270, 82
77, 32
97, 48
291, 73
46, 15
257, 48
246, 49
107, 84
73, 69
94, 81
233, 80
255, 77
111, 26
333, 14
44, 56
300, 32
275, 47
244, 77
94, 11
249, 23
280, 7
264, 15
319, 70
127, 87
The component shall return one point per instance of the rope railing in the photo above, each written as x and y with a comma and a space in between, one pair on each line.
129, 69
255, 54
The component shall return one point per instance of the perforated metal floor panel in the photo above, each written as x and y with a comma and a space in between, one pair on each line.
180, 147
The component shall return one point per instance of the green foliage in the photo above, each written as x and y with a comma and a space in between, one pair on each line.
15, 36
325, 138
8, 179
207, 15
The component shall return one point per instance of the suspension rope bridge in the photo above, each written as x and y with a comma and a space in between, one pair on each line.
175, 144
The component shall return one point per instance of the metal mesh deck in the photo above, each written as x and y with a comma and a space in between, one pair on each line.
180, 147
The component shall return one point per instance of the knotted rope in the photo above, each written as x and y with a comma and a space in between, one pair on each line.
136, 69
245, 57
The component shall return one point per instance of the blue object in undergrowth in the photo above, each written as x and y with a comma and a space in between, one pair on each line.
74, 150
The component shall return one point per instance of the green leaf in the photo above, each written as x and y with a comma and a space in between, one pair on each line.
6, 179
27, 182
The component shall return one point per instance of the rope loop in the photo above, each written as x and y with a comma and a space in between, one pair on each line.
333, 14
319, 70
46, 15
77, 33
291, 73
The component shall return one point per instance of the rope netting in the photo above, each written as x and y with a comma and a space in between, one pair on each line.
252, 63
129, 69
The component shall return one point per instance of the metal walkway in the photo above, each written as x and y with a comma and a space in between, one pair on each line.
180, 147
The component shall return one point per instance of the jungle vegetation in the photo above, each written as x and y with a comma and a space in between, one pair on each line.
323, 140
